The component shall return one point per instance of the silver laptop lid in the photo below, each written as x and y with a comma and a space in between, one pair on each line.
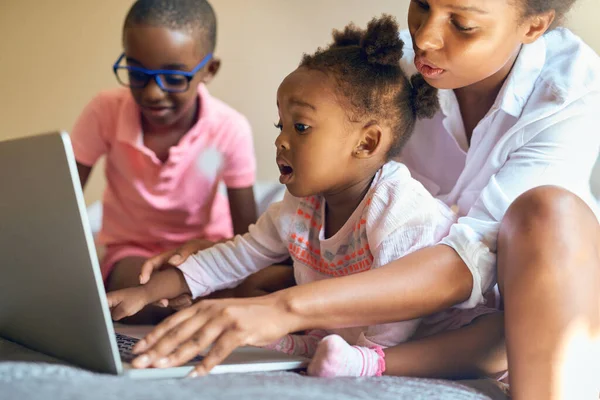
51, 291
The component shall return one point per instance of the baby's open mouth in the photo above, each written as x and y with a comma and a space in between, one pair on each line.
286, 172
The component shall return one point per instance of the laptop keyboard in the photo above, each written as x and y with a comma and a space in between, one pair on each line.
125, 344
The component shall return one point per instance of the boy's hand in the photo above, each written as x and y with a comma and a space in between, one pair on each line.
172, 258
127, 302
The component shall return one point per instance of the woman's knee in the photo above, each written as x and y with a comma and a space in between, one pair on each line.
546, 220
547, 206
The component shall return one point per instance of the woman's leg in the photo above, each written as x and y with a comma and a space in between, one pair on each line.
549, 276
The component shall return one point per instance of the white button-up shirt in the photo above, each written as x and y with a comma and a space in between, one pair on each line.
543, 129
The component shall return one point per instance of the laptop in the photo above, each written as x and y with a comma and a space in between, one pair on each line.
52, 297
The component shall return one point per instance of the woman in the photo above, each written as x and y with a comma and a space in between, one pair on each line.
519, 113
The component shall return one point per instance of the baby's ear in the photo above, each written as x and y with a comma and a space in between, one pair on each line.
211, 69
370, 141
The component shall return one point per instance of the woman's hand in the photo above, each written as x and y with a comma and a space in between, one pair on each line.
225, 324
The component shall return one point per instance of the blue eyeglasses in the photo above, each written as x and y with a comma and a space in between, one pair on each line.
172, 81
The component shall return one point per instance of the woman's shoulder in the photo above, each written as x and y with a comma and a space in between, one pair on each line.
571, 67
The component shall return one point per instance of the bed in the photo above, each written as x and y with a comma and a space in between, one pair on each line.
25, 374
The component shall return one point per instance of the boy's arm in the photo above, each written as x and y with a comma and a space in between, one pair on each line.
243, 208
166, 284
84, 173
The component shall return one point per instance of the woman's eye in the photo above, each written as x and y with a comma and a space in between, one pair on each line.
278, 125
301, 128
462, 28
421, 4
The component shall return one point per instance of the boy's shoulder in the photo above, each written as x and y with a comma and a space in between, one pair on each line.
113, 97
219, 112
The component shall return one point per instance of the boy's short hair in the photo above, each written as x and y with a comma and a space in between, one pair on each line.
194, 16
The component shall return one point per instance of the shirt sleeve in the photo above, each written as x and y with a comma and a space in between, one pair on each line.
561, 155
88, 135
240, 161
226, 265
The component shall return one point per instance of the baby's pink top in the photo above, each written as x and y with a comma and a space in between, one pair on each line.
150, 202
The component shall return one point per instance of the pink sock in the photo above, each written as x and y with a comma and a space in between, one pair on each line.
335, 357
299, 345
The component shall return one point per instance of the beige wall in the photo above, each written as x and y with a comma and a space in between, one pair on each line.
55, 55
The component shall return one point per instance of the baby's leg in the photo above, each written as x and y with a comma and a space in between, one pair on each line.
299, 345
335, 357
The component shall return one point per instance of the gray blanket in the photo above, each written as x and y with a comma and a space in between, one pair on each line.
23, 376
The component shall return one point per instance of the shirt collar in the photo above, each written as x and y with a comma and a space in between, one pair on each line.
130, 128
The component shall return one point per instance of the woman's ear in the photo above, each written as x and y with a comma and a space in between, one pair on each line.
370, 141
536, 25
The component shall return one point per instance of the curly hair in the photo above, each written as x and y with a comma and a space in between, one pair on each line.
365, 65
560, 7
196, 17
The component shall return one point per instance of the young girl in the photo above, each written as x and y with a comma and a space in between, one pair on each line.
519, 110
168, 142
343, 114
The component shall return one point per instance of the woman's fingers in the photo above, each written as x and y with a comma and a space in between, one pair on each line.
223, 347
197, 343
161, 329
224, 324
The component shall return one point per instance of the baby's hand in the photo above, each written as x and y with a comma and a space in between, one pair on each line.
127, 302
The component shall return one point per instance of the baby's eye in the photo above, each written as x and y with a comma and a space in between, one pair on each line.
301, 128
278, 125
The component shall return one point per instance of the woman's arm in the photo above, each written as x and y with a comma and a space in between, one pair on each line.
404, 291
421, 283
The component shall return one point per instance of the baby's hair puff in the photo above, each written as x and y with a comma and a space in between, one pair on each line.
365, 65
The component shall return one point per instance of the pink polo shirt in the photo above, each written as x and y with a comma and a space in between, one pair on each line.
155, 205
